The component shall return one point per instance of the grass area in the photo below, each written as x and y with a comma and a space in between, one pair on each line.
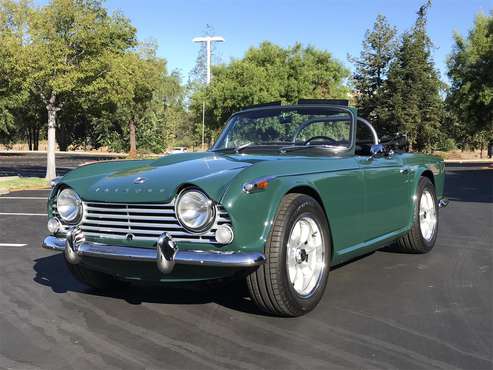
14, 183
462, 155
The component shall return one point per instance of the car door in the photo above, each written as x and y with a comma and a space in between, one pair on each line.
386, 194
342, 192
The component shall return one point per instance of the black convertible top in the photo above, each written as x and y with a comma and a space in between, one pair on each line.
339, 102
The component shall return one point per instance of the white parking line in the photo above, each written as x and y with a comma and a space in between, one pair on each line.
23, 214
40, 198
12, 245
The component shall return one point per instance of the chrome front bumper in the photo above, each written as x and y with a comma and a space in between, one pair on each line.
165, 254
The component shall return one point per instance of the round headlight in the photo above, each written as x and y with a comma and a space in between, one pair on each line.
69, 205
194, 210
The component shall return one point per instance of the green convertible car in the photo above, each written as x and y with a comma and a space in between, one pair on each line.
286, 192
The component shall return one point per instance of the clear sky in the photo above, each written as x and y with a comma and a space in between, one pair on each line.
336, 26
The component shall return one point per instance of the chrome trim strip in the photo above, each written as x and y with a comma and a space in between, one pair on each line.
189, 257
143, 223
373, 131
104, 210
176, 236
144, 229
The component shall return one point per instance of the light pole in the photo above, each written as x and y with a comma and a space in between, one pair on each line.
208, 41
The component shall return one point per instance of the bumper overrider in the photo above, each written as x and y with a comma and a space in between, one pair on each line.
442, 203
165, 254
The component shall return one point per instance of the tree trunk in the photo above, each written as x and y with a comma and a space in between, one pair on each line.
30, 139
133, 141
50, 160
36, 138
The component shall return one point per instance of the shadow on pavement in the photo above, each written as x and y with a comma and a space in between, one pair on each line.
34, 164
30, 171
52, 272
469, 186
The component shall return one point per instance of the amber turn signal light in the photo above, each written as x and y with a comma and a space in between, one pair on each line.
257, 184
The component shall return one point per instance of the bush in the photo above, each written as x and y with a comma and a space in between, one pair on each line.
447, 145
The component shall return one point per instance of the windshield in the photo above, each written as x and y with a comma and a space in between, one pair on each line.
287, 126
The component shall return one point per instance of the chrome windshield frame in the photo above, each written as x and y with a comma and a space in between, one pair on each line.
230, 123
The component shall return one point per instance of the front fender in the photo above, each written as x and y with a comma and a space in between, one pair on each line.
341, 192
253, 214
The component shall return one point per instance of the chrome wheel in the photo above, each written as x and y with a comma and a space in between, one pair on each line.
305, 256
427, 215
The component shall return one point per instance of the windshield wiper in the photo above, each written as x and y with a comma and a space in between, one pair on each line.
237, 150
241, 147
294, 148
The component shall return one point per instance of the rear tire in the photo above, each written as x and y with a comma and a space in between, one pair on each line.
422, 236
95, 279
274, 286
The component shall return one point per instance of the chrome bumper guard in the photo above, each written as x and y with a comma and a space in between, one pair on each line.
165, 255
442, 203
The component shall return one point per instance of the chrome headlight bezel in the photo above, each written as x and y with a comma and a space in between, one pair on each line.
206, 205
73, 215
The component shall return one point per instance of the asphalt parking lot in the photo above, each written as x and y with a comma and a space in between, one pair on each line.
33, 164
385, 310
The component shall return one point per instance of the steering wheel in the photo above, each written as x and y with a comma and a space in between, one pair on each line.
325, 138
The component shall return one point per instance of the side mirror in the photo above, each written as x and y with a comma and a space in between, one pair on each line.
397, 142
377, 150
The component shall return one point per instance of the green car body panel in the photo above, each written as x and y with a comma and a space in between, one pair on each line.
360, 221
368, 201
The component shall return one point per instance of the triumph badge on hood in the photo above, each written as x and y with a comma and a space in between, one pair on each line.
140, 180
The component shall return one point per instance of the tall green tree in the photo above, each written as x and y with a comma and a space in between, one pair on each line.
412, 103
371, 68
71, 64
470, 96
29, 121
14, 92
270, 73
143, 98
69, 44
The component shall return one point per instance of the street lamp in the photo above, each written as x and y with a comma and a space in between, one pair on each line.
208, 41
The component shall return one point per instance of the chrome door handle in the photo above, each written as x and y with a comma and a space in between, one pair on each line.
404, 171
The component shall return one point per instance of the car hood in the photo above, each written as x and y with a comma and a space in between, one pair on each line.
155, 180
161, 179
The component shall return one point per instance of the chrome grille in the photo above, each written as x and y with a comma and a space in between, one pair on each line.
145, 222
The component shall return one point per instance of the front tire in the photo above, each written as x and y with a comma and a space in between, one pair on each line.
95, 279
422, 236
299, 243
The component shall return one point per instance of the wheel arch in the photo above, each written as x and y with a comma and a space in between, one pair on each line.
420, 173
312, 192
427, 173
